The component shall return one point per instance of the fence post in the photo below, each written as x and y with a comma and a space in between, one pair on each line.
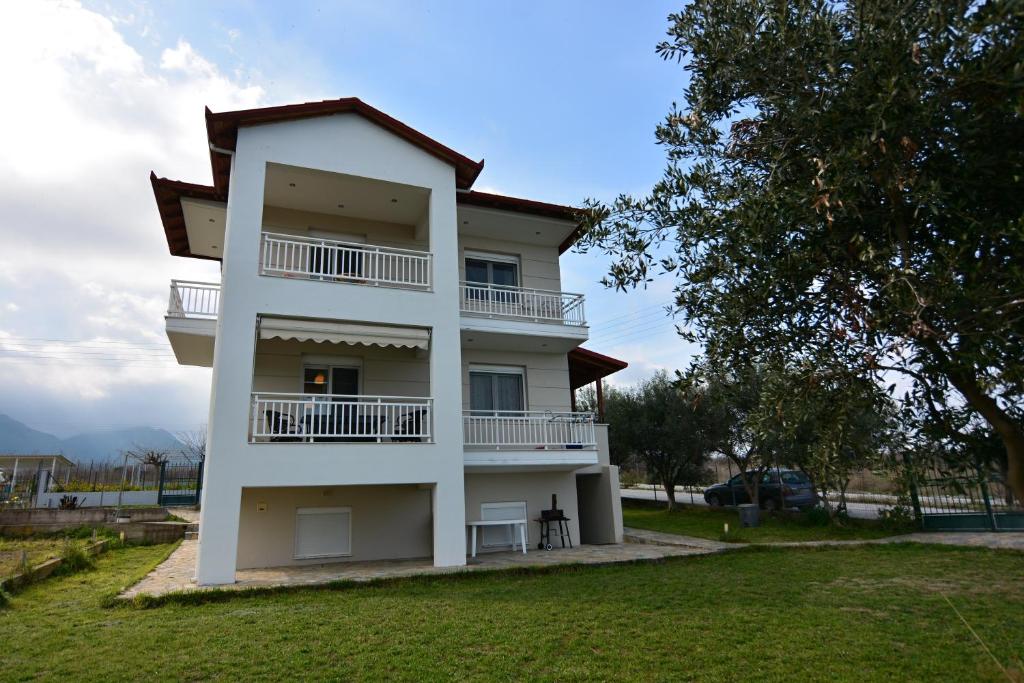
983, 485
160, 487
915, 501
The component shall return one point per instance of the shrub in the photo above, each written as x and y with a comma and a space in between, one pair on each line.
75, 558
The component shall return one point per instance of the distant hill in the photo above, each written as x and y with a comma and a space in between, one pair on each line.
16, 437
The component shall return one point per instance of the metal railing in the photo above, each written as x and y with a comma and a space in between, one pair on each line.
528, 429
336, 261
193, 299
539, 305
311, 418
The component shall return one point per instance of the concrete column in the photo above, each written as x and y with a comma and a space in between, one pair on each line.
233, 356
449, 517
446, 385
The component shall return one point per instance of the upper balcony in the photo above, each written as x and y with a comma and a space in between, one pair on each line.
192, 321
502, 317
330, 260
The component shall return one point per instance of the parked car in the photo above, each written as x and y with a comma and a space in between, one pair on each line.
796, 489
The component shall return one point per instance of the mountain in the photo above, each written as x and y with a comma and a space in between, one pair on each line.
16, 437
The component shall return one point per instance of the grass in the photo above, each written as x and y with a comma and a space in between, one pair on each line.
857, 614
705, 522
38, 550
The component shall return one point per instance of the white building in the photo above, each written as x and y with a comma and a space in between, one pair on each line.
393, 357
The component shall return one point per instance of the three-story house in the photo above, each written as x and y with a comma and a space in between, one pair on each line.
393, 357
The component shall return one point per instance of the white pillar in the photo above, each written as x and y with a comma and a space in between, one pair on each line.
233, 355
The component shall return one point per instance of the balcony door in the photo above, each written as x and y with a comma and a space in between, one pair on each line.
334, 391
495, 276
496, 391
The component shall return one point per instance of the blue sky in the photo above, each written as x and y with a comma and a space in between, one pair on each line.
561, 99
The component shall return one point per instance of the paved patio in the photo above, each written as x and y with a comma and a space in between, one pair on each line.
175, 574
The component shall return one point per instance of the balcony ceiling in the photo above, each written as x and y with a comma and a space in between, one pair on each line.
204, 225
344, 195
513, 227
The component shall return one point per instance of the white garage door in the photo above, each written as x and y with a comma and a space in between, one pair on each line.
323, 532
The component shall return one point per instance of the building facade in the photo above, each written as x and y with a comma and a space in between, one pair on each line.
392, 354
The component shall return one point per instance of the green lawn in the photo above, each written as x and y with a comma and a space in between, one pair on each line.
857, 614
38, 550
709, 523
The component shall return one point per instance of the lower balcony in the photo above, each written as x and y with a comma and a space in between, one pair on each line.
320, 418
535, 439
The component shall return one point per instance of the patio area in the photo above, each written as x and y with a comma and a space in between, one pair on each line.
176, 572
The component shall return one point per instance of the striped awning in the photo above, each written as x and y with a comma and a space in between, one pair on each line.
344, 333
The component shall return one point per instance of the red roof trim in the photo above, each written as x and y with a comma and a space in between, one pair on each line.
168, 194
530, 206
586, 366
222, 131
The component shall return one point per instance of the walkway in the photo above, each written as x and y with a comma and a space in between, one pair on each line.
1008, 540
176, 572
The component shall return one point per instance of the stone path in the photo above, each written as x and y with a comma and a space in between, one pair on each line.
1010, 540
175, 574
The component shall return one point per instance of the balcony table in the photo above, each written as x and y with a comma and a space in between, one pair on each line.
511, 523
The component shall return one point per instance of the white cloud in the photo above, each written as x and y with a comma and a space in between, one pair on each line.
84, 257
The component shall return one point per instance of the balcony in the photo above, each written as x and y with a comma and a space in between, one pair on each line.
293, 256
520, 303
191, 321
502, 318
336, 418
538, 439
193, 299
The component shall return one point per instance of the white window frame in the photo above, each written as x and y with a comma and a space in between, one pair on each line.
493, 258
321, 511
498, 370
518, 505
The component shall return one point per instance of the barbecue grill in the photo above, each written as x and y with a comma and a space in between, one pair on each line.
549, 517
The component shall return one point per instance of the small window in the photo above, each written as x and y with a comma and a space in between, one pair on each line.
495, 536
323, 532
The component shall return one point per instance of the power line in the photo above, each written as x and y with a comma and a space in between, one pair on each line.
81, 342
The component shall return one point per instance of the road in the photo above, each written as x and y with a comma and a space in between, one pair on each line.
857, 510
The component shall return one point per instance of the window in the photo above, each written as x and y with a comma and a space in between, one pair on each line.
320, 380
323, 532
496, 390
494, 536
502, 272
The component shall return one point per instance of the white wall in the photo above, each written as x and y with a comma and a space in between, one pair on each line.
535, 488
384, 371
388, 522
91, 499
380, 233
547, 376
538, 265
343, 144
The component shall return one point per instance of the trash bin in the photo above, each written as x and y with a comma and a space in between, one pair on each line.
749, 515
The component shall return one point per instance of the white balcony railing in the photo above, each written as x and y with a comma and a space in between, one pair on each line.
340, 418
528, 429
539, 305
336, 261
193, 299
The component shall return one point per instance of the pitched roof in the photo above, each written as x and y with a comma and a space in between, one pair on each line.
222, 132
586, 366
168, 194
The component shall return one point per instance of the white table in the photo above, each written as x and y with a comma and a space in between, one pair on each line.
510, 523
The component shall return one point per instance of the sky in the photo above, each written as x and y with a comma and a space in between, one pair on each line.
560, 99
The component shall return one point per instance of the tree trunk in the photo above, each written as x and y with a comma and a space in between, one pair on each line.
670, 493
1009, 431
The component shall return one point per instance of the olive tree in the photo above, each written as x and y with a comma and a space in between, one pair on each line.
846, 179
